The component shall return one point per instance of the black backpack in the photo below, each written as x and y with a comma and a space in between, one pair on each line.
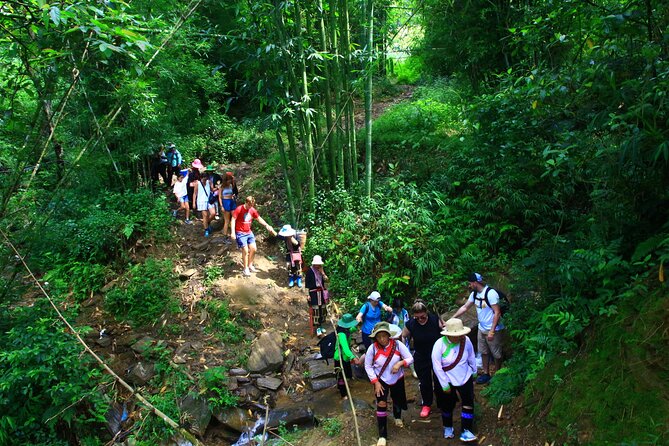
503, 303
327, 346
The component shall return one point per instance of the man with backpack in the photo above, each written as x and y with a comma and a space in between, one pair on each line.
488, 310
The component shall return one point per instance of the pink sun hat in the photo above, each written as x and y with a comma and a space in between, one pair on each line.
197, 164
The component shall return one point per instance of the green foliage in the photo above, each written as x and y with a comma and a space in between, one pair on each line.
409, 70
223, 321
331, 426
212, 273
582, 389
81, 278
47, 384
144, 293
213, 384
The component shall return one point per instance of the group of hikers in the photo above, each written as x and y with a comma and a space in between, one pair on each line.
439, 353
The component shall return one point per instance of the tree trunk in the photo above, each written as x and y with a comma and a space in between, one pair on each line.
368, 99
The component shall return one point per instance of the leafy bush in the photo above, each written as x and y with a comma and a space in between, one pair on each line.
47, 384
408, 71
145, 292
213, 383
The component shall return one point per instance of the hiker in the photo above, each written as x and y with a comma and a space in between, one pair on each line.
174, 161
202, 196
400, 317
489, 338
424, 328
318, 293
181, 193
242, 218
227, 203
216, 182
158, 167
193, 176
370, 314
343, 351
454, 364
293, 256
384, 362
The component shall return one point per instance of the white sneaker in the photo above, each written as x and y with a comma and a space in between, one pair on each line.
399, 422
253, 269
246, 272
448, 432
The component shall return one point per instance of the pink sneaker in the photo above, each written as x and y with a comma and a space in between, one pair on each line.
425, 412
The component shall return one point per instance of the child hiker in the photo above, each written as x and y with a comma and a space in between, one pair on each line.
293, 256
181, 193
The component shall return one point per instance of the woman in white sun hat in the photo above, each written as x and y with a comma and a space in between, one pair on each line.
454, 364
318, 293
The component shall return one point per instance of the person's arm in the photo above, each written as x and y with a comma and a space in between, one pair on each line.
407, 357
437, 367
385, 307
405, 333
361, 313
268, 227
233, 220
463, 308
471, 356
294, 241
345, 348
495, 320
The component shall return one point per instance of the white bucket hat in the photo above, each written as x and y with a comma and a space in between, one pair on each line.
287, 231
454, 327
374, 295
317, 260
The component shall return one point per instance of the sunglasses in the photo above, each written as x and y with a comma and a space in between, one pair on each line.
420, 318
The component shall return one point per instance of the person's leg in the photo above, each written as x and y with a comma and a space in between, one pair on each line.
245, 257
466, 392
382, 412
252, 253
399, 397
226, 223
343, 368
496, 350
366, 340
446, 404
423, 367
484, 350
187, 207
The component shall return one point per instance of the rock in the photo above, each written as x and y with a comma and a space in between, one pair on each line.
359, 405
232, 385
319, 368
243, 379
323, 383
178, 359
183, 348
234, 418
238, 372
359, 372
141, 373
250, 392
202, 246
289, 363
266, 353
142, 345
291, 416
104, 341
187, 274
196, 412
269, 383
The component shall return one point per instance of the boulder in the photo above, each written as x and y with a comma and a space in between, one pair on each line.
196, 412
238, 372
323, 383
359, 405
266, 353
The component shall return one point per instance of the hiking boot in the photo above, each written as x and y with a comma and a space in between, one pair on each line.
484, 378
291, 282
381, 442
246, 272
299, 281
448, 432
425, 412
188, 222
399, 423
253, 269
467, 436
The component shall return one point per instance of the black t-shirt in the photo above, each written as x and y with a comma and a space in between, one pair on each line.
424, 336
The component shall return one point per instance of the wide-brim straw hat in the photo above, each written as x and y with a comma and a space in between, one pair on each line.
384, 326
287, 231
347, 321
455, 327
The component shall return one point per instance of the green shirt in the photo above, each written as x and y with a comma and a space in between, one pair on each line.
342, 339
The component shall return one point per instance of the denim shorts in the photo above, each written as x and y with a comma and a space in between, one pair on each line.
183, 199
229, 204
245, 239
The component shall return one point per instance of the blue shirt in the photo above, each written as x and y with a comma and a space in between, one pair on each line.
370, 316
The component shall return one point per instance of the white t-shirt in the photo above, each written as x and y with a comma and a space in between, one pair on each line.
180, 188
483, 311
